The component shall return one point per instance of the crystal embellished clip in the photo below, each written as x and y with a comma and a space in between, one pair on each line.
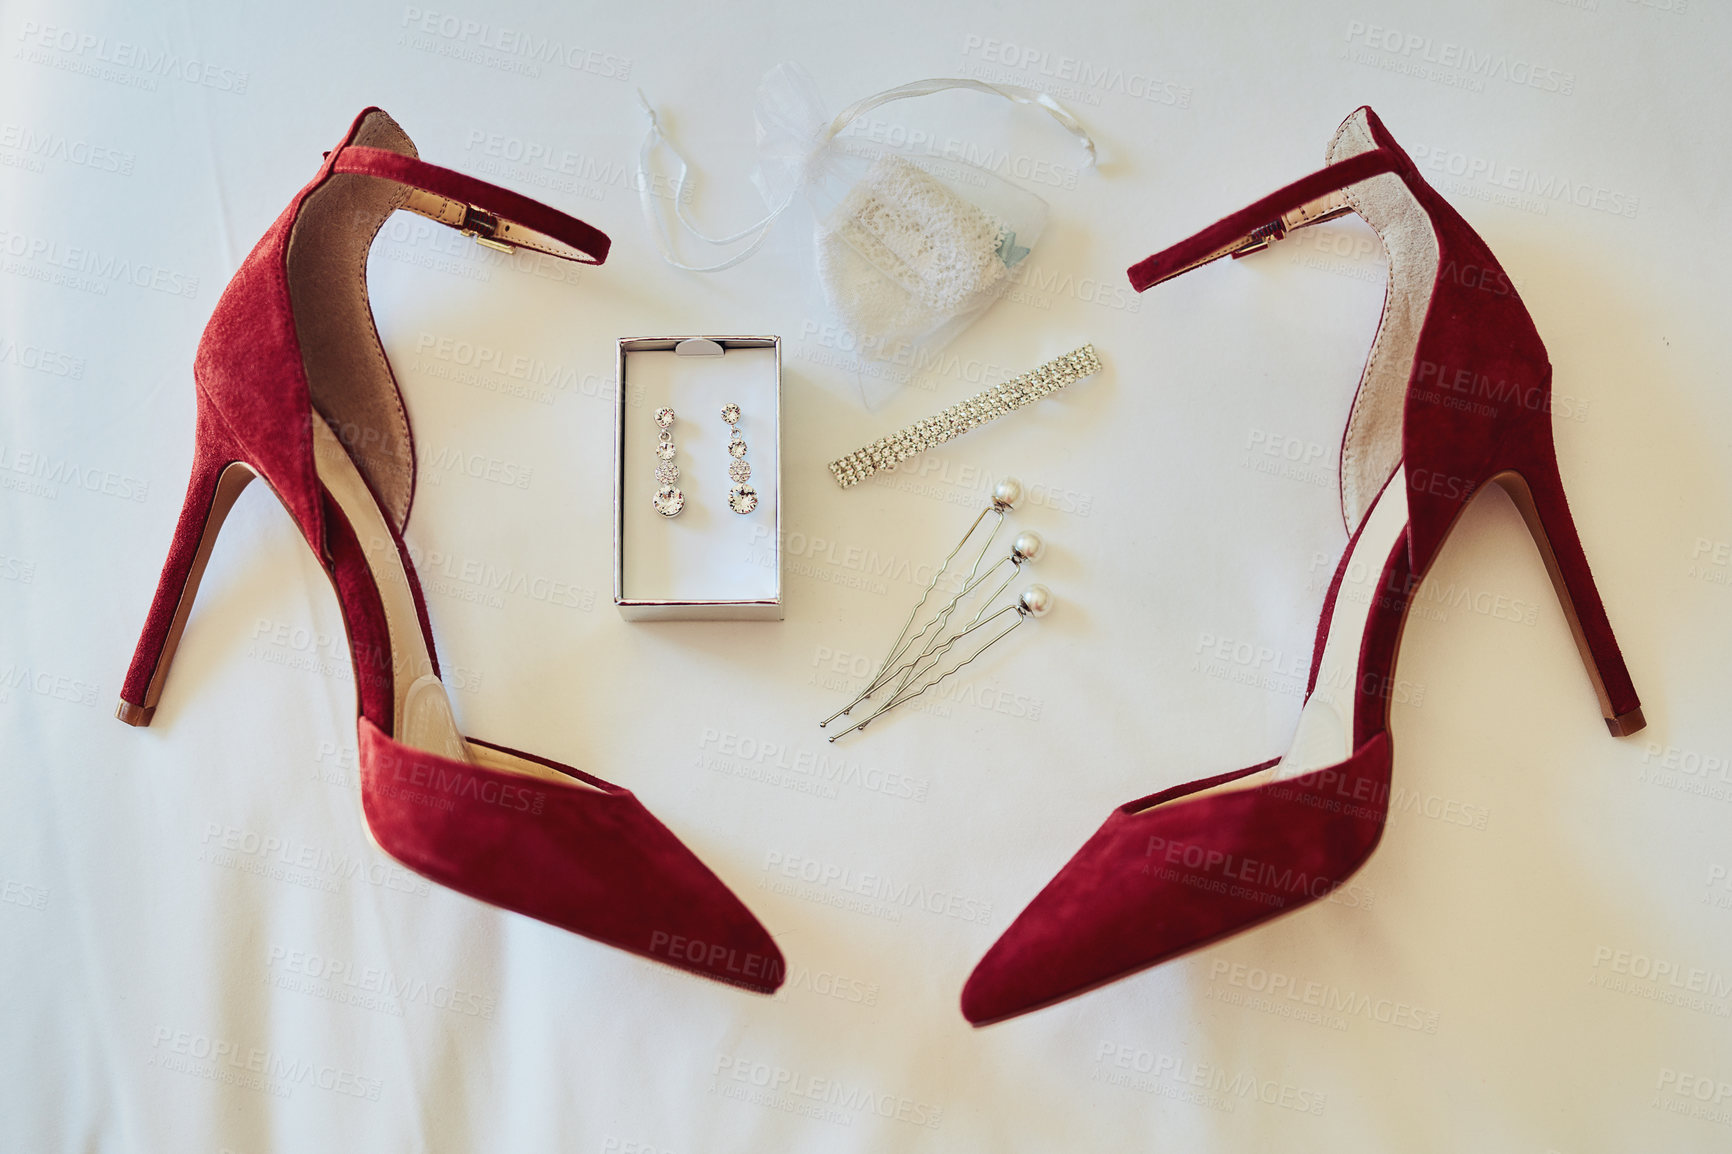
987, 405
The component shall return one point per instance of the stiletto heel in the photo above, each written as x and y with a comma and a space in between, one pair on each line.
1456, 394
217, 482
294, 388
1538, 493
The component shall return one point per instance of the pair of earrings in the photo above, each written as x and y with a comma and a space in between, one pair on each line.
669, 499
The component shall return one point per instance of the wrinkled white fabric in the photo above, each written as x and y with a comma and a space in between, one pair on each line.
202, 951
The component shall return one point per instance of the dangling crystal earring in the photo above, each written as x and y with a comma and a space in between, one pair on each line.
668, 499
742, 498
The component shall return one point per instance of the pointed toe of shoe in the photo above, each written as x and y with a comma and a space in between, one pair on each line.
567, 849
994, 992
736, 949
1161, 879
1053, 951
681, 914
1073, 935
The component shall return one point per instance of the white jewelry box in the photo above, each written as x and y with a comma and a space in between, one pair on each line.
707, 563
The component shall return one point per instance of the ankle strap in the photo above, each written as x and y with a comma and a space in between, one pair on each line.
1314, 198
494, 216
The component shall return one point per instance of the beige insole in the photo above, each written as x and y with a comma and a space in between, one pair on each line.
421, 710
1324, 736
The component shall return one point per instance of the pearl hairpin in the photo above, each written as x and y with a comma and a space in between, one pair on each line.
910, 677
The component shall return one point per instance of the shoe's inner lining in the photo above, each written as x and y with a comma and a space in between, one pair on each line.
1370, 457
422, 715
1372, 444
351, 381
1324, 736
353, 389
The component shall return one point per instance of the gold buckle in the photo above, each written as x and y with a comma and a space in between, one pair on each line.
1261, 238
483, 227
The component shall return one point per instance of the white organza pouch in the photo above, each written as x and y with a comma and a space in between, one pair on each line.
908, 248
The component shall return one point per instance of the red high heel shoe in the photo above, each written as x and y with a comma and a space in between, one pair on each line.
294, 388
1455, 394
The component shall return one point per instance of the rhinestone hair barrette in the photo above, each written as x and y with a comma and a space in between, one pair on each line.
987, 405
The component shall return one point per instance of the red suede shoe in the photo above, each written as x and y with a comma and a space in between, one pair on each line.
1456, 394
293, 387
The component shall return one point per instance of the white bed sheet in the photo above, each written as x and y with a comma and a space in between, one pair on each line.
200, 949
